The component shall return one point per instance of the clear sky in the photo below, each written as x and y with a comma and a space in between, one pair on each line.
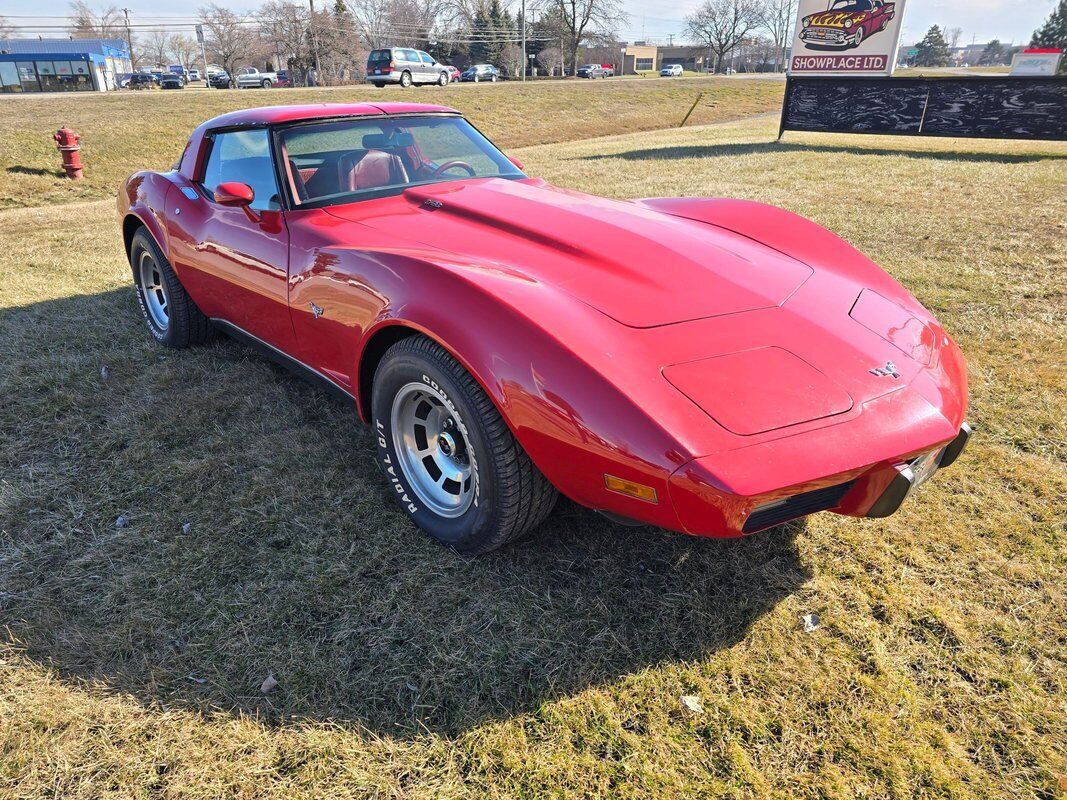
1008, 20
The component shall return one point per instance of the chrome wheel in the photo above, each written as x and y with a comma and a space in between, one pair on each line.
434, 452
154, 291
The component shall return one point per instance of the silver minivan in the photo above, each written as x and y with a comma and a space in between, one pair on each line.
404, 66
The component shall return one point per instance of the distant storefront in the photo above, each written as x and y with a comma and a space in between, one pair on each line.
62, 65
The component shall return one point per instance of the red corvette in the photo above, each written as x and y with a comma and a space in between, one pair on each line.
711, 366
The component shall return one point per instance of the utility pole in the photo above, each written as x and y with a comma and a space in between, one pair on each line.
203, 52
525, 60
129, 37
314, 41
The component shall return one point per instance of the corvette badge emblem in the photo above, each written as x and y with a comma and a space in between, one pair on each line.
888, 370
317, 310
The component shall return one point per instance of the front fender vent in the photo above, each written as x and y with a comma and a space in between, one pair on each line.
799, 505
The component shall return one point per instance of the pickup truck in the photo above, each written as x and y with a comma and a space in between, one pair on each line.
250, 77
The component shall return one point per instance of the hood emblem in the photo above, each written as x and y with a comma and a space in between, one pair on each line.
317, 310
890, 369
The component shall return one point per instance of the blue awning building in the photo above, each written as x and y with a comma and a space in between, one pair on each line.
62, 65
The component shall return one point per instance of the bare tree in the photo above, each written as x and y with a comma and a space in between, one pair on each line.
511, 60
393, 22
154, 47
582, 20
183, 50
778, 18
721, 25
285, 27
87, 23
548, 58
226, 37
342, 55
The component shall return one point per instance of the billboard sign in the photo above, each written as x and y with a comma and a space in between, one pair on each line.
846, 37
1036, 61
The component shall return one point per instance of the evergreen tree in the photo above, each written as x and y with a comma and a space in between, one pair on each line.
494, 29
1054, 32
992, 55
933, 49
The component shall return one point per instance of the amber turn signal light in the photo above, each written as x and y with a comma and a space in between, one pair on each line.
630, 488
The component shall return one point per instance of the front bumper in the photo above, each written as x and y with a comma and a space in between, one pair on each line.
705, 507
911, 475
826, 36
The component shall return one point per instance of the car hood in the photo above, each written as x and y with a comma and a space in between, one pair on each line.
835, 19
638, 266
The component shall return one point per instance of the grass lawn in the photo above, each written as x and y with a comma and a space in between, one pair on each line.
126, 131
131, 658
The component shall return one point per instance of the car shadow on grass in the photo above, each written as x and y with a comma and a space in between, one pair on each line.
776, 147
257, 539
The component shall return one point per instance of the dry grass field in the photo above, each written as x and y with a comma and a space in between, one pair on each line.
131, 658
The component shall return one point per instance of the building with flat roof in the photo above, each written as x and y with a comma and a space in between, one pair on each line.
62, 65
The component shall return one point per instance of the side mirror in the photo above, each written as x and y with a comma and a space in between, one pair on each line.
517, 163
234, 194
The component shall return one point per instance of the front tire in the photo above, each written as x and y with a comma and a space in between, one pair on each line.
171, 315
450, 460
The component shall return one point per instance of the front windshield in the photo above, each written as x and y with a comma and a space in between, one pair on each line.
346, 160
851, 5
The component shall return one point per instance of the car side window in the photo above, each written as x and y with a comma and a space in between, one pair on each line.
244, 157
426, 59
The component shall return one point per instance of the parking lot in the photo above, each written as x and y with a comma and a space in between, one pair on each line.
131, 658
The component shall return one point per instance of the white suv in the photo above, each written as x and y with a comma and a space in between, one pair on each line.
671, 71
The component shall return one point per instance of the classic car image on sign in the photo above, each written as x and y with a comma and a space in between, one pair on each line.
835, 37
846, 24
709, 366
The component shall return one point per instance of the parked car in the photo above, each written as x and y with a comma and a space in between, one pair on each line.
595, 71
169, 80
194, 75
220, 80
453, 74
480, 72
122, 80
406, 67
284, 81
142, 80
252, 78
763, 370
671, 71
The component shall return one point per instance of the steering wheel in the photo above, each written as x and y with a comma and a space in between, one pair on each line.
437, 173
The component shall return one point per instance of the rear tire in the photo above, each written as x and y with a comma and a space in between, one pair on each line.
171, 315
405, 80
432, 420
442, 79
